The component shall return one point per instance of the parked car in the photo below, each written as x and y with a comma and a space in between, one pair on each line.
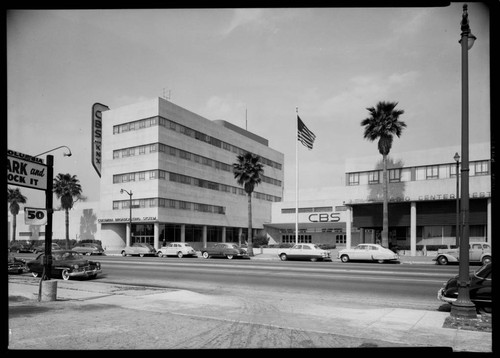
478, 252
479, 289
224, 250
88, 248
139, 248
40, 247
304, 252
66, 264
16, 265
19, 246
179, 249
368, 252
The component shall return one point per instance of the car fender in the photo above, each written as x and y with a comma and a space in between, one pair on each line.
450, 258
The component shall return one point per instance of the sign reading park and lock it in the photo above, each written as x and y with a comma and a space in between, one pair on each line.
26, 170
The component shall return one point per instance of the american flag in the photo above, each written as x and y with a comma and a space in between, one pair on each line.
304, 135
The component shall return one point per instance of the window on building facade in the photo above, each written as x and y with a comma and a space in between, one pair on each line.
395, 175
481, 168
374, 177
353, 179
432, 172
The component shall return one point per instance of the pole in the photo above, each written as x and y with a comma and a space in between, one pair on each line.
457, 211
48, 226
130, 214
297, 181
463, 306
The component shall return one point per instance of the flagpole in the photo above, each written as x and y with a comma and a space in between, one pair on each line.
297, 180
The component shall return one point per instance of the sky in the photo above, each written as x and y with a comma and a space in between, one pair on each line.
252, 67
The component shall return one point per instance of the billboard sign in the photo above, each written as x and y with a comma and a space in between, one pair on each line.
26, 170
96, 135
35, 216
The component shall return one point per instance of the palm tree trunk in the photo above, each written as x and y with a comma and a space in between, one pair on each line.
250, 239
385, 210
66, 212
14, 227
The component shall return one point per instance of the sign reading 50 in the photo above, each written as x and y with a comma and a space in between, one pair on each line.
34, 216
324, 217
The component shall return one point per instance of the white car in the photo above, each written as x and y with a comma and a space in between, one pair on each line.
478, 252
367, 252
304, 252
178, 249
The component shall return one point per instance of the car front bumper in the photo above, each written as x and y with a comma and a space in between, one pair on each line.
85, 273
442, 297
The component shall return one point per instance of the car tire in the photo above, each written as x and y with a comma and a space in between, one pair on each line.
314, 259
344, 258
159, 253
141, 255
486, 260
380, 261
205, 255
283, 257
35, 274
442, 260
180, 255
124, 253
88, 253
65, 274
229, 257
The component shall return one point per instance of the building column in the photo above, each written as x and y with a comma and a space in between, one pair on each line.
413, 228
204, 235
373, 236
223, 234
127, 240
156, 239
240, 232
348, 228
488, 222
362, 235
183, 233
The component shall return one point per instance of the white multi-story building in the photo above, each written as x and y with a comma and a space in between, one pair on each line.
178, 167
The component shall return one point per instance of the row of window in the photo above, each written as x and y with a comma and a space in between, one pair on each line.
316, 209
429, 172
184, 179
157, 120
168, 203
303, 239
176, 152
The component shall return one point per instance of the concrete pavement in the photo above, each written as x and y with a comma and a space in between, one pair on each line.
95, 315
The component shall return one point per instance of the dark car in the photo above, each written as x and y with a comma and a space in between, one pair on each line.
16, 265
18, 246
224, 250
479, 289
88, 248
66, 264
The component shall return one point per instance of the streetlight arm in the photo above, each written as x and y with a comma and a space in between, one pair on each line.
62, 146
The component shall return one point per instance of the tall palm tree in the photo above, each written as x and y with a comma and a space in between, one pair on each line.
67, 188
247, 171
15, 197
382, 124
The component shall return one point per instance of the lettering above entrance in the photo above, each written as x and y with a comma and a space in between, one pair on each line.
324, 217
126, 220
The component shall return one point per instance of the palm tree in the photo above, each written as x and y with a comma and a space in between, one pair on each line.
14, 197
66, 188
383, 124
247, 171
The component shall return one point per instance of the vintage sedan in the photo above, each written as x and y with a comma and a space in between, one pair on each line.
16, 265
478, 252
368, 252
179, 249
479, 289
304, 252
224, 250
18, 246
40, 247
65, 264
139, 249
88, 248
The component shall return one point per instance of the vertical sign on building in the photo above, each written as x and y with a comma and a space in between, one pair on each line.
96, 135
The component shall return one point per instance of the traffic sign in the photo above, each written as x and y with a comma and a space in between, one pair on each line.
35, 216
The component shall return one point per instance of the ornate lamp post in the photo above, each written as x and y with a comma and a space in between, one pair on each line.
456, 157
463, 306
129, 231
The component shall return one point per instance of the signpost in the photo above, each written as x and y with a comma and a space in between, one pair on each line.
30, 172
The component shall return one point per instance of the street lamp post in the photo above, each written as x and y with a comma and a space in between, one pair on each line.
62, 146
129, 231
457, 199
463, 308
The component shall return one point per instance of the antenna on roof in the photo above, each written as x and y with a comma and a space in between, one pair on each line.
164, 94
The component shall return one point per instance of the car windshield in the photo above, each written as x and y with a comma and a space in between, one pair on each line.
484, 271
234, 246
68, 255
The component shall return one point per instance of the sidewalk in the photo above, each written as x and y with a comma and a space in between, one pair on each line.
95, 315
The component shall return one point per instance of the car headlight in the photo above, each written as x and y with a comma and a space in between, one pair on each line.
75, 267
